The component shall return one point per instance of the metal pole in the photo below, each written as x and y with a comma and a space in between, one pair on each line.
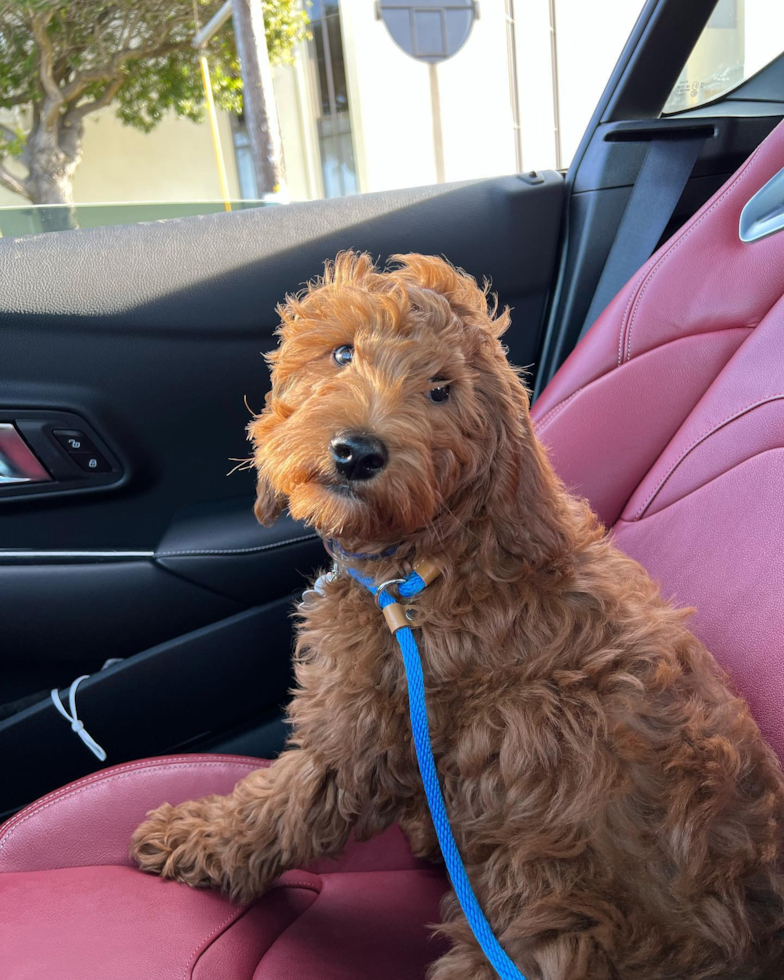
514, 97
216, 141
556, 93
213, 25
438, 135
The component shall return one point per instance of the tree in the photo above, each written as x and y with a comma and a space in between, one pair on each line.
261, 115
61, 60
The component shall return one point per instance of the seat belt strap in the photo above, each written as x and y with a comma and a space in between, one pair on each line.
666, 169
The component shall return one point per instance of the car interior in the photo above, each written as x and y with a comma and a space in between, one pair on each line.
130, 361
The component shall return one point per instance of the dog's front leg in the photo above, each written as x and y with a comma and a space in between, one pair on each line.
276, 818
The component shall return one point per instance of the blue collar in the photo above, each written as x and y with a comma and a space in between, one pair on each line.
336, 550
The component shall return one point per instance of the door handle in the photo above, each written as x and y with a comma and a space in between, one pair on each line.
18, 463
45, 451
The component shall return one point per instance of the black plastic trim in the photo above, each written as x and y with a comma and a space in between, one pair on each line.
36, 427
183, 692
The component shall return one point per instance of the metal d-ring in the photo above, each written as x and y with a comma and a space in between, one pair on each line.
389, 581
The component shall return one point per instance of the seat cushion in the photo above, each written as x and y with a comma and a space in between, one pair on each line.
73, 907
115, 923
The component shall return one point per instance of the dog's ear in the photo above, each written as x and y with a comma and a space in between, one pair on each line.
471, 302
521, 483
269, 504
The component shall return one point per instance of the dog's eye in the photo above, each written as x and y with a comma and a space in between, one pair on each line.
440, 394
343, 355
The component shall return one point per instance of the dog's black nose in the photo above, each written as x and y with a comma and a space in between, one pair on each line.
358, 457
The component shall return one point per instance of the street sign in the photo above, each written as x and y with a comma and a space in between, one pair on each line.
428, 30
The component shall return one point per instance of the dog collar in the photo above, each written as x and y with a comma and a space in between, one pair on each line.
395, 613
337, 551
340, 557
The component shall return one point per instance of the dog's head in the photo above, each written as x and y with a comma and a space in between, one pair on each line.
392, 402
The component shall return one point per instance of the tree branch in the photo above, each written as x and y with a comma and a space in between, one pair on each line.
109, 71
42, 39
23, 98
9, 134
78, 113
12, 183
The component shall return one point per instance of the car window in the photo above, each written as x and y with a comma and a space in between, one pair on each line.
119, 112
741, 37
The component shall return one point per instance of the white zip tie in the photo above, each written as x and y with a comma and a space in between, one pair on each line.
77, 725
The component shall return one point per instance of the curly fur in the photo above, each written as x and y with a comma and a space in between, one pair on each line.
617, 810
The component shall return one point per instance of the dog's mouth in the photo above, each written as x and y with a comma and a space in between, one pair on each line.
339, 488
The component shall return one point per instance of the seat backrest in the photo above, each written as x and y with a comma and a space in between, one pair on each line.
669, 418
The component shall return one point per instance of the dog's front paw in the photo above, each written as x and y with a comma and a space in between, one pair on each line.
174, 842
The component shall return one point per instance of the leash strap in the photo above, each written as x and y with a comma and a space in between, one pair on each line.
420, 729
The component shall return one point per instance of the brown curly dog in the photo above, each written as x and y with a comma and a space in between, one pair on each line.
617, 810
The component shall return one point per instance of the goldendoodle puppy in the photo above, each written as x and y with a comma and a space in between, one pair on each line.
617, 810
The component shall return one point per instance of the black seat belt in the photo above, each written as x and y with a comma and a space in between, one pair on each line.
666, 169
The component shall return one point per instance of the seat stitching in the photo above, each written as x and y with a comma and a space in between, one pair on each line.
549, 416
545, 419
294, 884
236, 551
629, 302
282, 933
674, 503
14, 826
136, 766
736, 181
310, 909
204, 944
718, 425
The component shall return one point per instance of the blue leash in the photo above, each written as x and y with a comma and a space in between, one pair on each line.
417, 705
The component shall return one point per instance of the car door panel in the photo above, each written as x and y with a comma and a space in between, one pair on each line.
223, 548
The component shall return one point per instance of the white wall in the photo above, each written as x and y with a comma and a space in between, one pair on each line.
479, 138
390, 98
535, 84
391, 103
764, 33
295, 96
590, 37
175, 162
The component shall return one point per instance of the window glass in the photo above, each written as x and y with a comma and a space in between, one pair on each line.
741, 37
333, 124
354, 111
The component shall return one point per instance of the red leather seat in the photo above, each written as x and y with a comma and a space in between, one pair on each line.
669, 417
73, 908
